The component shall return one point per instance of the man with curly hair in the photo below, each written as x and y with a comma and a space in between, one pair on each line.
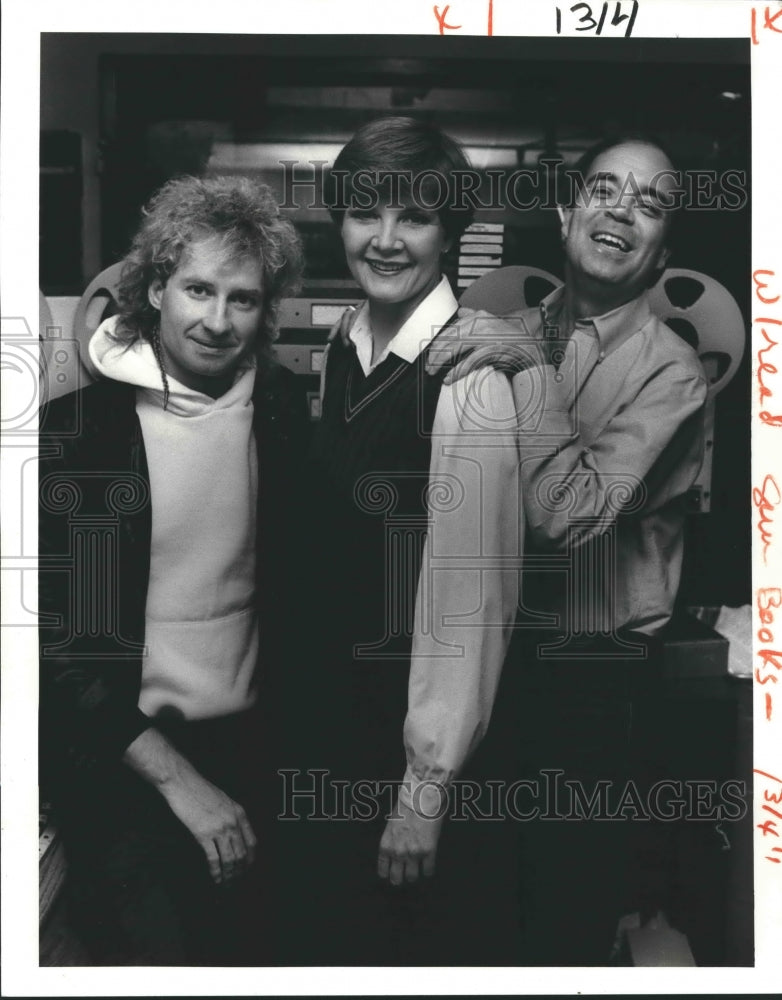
152, 715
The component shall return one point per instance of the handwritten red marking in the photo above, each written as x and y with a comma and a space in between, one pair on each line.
767, 598
765, 679
763, 284
771, 656
490, 27
756, 770
768, 23
441, 19
769, 827
766, 499
764, 365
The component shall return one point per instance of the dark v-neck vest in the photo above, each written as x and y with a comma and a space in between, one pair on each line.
368, 475
370, 469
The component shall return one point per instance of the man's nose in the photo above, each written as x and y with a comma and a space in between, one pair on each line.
217, 318
622, 209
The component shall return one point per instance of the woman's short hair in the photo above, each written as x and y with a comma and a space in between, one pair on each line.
412, 159
241, 214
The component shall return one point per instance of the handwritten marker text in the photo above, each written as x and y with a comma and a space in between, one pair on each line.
769, 24
442, 24
770, 659
586, 20
766, 499
765, 366
769, 826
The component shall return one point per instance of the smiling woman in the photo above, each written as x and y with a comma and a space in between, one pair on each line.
389, 709
394, 255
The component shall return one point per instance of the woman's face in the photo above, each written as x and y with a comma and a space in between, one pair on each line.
394, 253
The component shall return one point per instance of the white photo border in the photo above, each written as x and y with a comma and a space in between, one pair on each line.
23, 23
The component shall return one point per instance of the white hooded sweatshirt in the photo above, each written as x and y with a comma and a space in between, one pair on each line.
201, 619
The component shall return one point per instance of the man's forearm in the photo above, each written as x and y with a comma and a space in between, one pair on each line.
216, 821
155, 759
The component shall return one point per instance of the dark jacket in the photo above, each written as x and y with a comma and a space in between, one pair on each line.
95, 526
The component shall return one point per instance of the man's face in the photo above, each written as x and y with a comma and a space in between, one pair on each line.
615, 235
210, 316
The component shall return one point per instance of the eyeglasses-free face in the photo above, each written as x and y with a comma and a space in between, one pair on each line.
210, 316
394, 253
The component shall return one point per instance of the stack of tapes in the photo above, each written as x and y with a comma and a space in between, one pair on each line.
480, 250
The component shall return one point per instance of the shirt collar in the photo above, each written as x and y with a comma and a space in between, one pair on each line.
416, 333
612, 328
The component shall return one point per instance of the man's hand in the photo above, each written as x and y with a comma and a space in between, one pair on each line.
508, 358
218, 824
342, 327
408, 847
486, 340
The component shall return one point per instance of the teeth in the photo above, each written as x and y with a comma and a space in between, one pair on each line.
611, 241
386, 266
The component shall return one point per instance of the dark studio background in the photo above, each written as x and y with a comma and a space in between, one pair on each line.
120, 114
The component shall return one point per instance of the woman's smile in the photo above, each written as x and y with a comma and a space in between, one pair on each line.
386, 267
395, 254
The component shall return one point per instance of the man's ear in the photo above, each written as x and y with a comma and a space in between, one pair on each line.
564, 220
155, 293
662, 258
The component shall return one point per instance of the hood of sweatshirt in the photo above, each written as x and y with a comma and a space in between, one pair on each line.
137, 365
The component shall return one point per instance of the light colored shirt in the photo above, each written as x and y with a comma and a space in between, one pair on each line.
469, 583
415, 334
609, 445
